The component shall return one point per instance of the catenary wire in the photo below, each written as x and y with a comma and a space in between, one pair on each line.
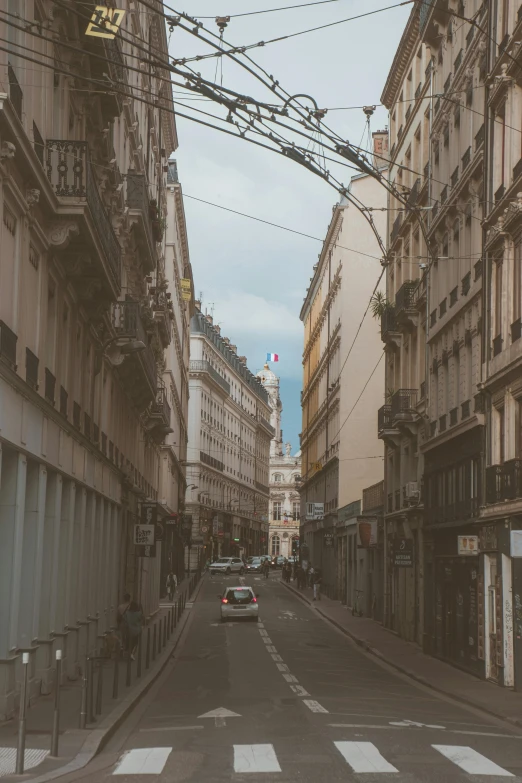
272, 10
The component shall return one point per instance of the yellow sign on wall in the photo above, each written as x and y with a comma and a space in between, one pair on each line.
186, 289
105, 22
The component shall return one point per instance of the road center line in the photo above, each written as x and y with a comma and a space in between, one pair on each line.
271, 649
262, 632
314, 706
290, 678
300, 691
282, 667
276, 657
266, 639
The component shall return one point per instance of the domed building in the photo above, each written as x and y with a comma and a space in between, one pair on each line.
284, 477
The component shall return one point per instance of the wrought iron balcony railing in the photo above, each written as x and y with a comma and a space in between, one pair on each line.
126, 319
70, 172
198, 365
388, 321
504, 482
404, 299
161, 406
403, 401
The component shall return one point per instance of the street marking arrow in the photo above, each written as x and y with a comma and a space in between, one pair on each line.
415, 724
219, 716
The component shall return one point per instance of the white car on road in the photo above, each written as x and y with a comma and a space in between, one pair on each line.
239, 602
227, 565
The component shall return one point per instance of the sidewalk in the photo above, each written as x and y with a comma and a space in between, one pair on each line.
78, 746
409, 659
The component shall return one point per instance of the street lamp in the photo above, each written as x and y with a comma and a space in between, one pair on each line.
120, 347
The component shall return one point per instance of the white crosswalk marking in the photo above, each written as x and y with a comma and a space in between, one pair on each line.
471, 761
364, 757
143, 761
255, 758
314, 705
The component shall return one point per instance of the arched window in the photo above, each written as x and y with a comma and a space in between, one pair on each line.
275, 542
278, 477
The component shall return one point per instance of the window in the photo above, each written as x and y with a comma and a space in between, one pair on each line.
501, 434
498, 296
296, 510
278, 477
276, 511
275, 547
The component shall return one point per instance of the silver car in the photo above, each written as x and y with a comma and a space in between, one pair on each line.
239, 602
227, 565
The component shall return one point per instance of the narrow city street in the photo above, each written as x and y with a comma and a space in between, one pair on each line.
291, 698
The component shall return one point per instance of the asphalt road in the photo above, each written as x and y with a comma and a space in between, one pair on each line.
309, 706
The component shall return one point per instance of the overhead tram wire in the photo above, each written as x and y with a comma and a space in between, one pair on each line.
272, 10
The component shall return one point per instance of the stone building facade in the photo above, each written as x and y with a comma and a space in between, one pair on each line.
228, 448
339, 445
285, 479
85, 401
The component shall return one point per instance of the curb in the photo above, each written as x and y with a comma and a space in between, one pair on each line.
97, 738
402, 669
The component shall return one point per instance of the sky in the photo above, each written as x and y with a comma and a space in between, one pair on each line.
253, 277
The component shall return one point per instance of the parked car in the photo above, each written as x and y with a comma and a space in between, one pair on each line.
227, 565
254, 564
278, 561
239, 602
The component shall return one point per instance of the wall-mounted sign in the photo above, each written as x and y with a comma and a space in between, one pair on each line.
105, 22
328, 539
403, 553
516, 543
146, 551
148, 514
367, 532
314, 511
186, 289
468, 545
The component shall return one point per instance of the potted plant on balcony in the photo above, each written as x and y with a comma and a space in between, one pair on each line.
380, 304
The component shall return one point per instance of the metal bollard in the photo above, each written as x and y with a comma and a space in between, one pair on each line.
90, 690
138, 665
116, 675
20, 750
99, 691
154, 643
83, 706
56, 714
164, 630
147, 653
129, 669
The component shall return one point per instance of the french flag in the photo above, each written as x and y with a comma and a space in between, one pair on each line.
272, 357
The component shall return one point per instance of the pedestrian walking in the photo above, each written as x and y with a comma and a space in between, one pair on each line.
266, 569
133, 623
318, 580
300, 577
172, 585
120, 619
310, 576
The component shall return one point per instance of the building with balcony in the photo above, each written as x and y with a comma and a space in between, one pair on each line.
85, 405
284, 480
454, 445
229, 438
501, 511
338, 441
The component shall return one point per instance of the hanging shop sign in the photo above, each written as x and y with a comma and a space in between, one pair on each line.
148, 514
367, 532
314, 511
186, 291
144, 535
403, 553
468, 545
105, 22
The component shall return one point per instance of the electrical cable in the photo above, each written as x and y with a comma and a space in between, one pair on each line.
272, 10
359, 397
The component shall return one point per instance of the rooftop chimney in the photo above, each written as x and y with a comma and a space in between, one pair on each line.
380, 148
233, 347
242, 359
217, 328
197, 303
226, 340
209, 318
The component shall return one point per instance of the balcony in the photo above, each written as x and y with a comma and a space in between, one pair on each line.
504, 482
15, 92
138, 370
141, 214
442, 308
163, 314
158, 416
198, 366
85, 224
444, 195
497, 345
466, 159
108, 65
403, 404
266, 424
479, 136
465, 409
208, 460
8, 341
384, 418
31, 369
455, 177
517, 170
405, 310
